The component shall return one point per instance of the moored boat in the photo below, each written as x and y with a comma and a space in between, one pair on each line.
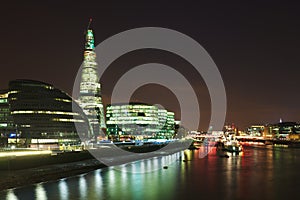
229, 146
233, 146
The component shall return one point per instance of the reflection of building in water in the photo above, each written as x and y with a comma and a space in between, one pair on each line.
125, 121
39, 115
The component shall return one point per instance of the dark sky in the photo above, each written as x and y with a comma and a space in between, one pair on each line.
255, 45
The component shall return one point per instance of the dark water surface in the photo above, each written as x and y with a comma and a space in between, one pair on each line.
257, 173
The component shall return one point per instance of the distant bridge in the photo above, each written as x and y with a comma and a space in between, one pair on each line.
290, 143
250, 139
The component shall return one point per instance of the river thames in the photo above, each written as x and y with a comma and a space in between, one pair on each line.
256, 173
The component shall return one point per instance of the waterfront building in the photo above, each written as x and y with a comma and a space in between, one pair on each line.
6, 123
177, 124
283, 130
230, 129
166, 121
40, 115
90, 89
295, 135
256, 130
139, 120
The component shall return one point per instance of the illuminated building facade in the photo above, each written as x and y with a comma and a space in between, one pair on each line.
166, 122
90, 89
129, 121
6, 123
283, 130
256, 130
230, 129
40, 115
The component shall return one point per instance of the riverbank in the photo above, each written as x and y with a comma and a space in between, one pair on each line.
23, 170
16, 160
17, 171
22, 177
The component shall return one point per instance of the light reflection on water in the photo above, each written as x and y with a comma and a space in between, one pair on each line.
258, 173
40, 192
11, 195
63, 189
82, 187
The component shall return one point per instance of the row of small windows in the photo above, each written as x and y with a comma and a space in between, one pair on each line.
160, 112
140, 114
43, 112
4, 109
3, 100
63, 100
132, 107
35, 85
133, 122
67, 120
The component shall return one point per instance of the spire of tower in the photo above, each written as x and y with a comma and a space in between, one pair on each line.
88, 27
89, 37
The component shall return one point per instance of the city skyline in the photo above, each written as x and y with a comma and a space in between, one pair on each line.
254, 45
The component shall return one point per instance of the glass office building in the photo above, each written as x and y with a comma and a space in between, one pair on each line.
36, 114
6, 122
138, 120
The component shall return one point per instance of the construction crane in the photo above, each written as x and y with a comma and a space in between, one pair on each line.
89, 24
88, 27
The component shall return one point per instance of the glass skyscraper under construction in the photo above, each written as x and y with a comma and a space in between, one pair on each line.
90, 89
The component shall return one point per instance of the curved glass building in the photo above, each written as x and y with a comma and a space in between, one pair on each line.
42, 116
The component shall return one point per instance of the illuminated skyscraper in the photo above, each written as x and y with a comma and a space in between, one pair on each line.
90, 89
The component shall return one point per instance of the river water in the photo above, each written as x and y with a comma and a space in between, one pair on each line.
257, 173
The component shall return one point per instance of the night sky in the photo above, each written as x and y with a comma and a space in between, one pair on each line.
255, 45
